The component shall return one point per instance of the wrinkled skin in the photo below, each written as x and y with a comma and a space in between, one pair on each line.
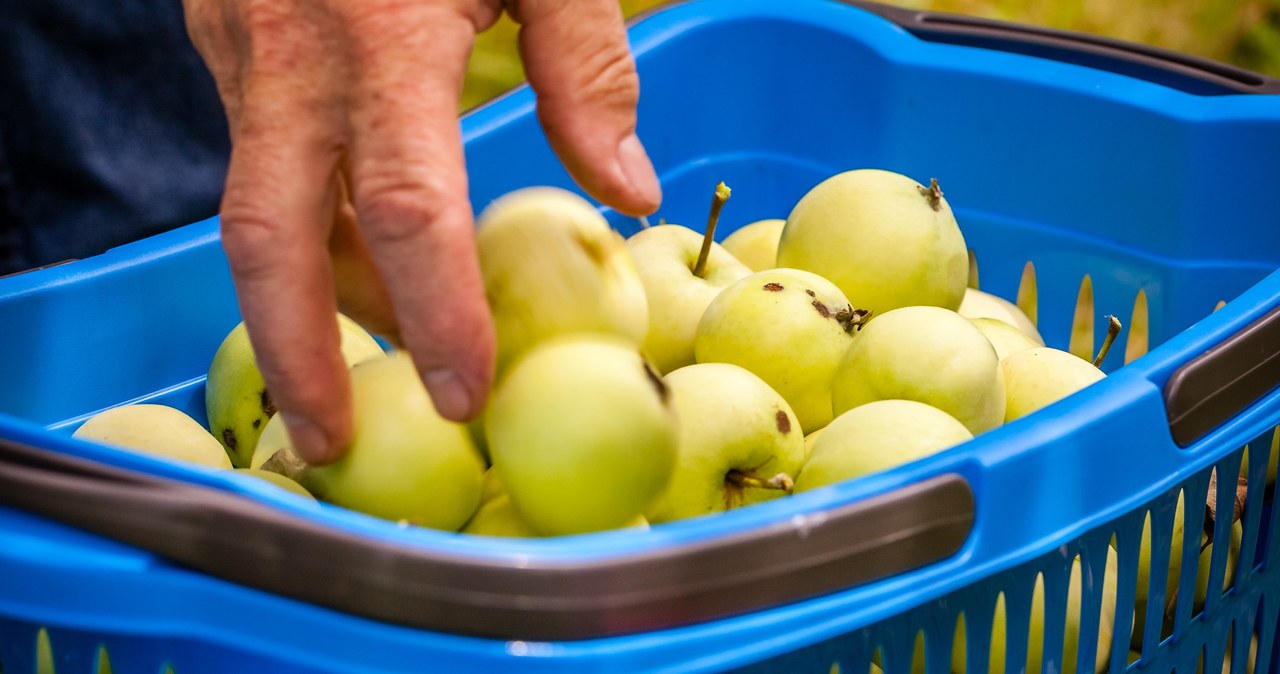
347, 188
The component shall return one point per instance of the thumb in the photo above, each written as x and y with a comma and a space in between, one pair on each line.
578, 62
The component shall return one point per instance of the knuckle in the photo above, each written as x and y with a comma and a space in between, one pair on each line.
613, 77
604, 78
396, 210
250, 240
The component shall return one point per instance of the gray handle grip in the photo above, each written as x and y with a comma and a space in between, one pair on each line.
252, 543
1221, 382
1181, 71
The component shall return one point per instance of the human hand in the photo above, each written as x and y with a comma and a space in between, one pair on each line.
347, 186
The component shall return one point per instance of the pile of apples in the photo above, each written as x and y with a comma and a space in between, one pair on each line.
667, 376
663, 376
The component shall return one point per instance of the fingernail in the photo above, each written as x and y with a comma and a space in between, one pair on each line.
639, 172
449, 393
309, 442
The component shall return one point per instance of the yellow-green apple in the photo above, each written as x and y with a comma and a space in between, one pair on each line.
928, 354
981, 304
274, 452
1005, 338
884, 239
498, 517
583, 433
1034, 378
666, 257
739, 442
237, 402
155, 429
405, 462
808, 442
491, 486
285, 483
756, 244
876, 437
552, 265
787, 326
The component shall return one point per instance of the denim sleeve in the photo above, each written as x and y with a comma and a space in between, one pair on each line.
110, 127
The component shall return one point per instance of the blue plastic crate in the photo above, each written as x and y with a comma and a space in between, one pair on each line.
1149, 173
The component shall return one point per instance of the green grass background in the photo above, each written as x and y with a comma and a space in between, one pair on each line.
1241, 32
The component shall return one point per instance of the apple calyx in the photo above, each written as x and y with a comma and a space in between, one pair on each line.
933, 193
852, 319
720, 196
1113, 330
285, 462
739, 479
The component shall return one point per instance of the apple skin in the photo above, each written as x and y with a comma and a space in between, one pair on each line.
876, 437
730, 420
1034, 378
928, 354
405, 462
499, 517
1005, 338
583, 434
981, 304
491, 486
274, 438
878, 236
237, 403
665, 256
159, 430
797, 355
552, 265
756, 244
809, 440
276, 479
1071, 635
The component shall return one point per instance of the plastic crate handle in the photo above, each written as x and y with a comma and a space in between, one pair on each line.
1221, 382
1181, 71
520, 595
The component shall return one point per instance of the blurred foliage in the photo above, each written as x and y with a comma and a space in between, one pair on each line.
1241, 32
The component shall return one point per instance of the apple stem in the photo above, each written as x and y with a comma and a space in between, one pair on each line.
644, 222
1113, 330
781, 481
717, 202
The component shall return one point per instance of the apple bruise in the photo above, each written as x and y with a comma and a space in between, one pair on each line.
783, 421
850, 319
268, 410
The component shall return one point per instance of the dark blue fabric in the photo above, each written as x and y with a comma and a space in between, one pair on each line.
110, 127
